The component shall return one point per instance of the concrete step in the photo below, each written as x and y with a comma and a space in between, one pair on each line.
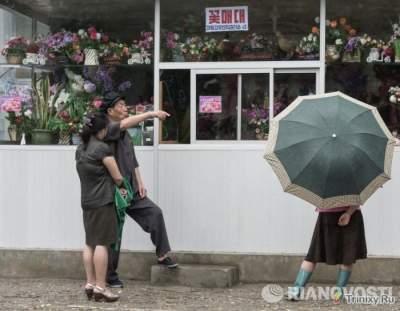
210, 276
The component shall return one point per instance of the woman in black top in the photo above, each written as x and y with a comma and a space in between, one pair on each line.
98, 173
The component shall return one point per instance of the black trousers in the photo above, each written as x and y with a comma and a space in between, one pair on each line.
150, 217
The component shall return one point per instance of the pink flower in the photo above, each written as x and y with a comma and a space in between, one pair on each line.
97, 102
12, 105
92, 29
75, 38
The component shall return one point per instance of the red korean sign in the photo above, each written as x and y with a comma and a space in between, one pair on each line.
234, 18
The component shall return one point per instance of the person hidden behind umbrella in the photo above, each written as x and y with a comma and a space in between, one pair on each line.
338, 239
98, 173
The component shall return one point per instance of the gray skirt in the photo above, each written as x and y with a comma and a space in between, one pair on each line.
100, 225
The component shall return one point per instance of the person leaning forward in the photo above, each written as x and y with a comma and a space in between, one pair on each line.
144, 211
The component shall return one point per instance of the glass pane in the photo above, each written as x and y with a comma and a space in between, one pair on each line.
367, 63
290, 85
255, 106
175, 99
216, 102
275, 30
87, 51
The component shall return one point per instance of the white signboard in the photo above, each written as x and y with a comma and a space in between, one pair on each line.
234, 18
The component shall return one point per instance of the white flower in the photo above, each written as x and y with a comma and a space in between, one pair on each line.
98, 36
315, 39
176, 37
317, 20
28, 113
310, 37
363, 41
81, 32
147, 61
328, 22
339, 42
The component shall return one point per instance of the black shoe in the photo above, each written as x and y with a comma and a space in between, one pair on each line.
117, 283
168, 262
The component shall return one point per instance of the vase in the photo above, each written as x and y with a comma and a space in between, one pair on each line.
332, 53
64, 138
76, 139
91, 57
396, 45
42, 137
15, 58
14, 133
374, 55
352, 57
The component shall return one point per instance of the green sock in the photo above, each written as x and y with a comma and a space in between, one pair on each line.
301, 280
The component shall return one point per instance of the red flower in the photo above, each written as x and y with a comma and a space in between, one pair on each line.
93, 35
105, 38
92, 29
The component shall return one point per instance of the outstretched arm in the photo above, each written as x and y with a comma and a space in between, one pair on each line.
135, 120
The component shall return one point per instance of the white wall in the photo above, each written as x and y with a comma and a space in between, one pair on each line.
216, 199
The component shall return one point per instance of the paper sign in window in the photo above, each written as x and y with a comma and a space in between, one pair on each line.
210, 104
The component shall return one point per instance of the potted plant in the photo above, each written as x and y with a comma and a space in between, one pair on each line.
308, 48
15, 50
58, 47
43, 109
90, 42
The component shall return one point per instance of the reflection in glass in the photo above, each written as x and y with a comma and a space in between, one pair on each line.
255, 106
217, 98
290, 85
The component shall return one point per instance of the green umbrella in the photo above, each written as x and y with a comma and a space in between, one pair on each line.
330, 150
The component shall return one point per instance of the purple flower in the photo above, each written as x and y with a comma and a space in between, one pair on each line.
89, 87
124, 86
352, 44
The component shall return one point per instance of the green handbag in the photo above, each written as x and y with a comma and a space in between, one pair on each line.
121, 204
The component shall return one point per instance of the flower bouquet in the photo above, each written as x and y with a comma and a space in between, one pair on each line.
395, 41
15, 50
308, 48
173, 48
59, 47
336, 34
394, 95
141, 50
256, 123
19, 116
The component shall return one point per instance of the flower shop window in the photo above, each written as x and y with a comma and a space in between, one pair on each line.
230, 105
249, 30
85, 51
363, 54
175, 99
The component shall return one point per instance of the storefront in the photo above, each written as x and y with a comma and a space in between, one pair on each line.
222, 69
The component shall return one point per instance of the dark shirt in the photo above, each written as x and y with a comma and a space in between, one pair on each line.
123, 151
97, 185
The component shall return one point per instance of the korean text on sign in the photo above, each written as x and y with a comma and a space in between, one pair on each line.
227, 19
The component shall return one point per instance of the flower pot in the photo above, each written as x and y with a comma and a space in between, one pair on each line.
31, 58
396, 46
14, 133
15, 59
76, 139
177, 56
136, 58
91, 57
332, 53
64, 138
374, 55
352, 57
42, 137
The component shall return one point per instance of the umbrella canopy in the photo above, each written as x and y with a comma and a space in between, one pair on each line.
330, 150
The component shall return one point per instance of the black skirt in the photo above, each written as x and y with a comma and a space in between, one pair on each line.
334, 244
100, 225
